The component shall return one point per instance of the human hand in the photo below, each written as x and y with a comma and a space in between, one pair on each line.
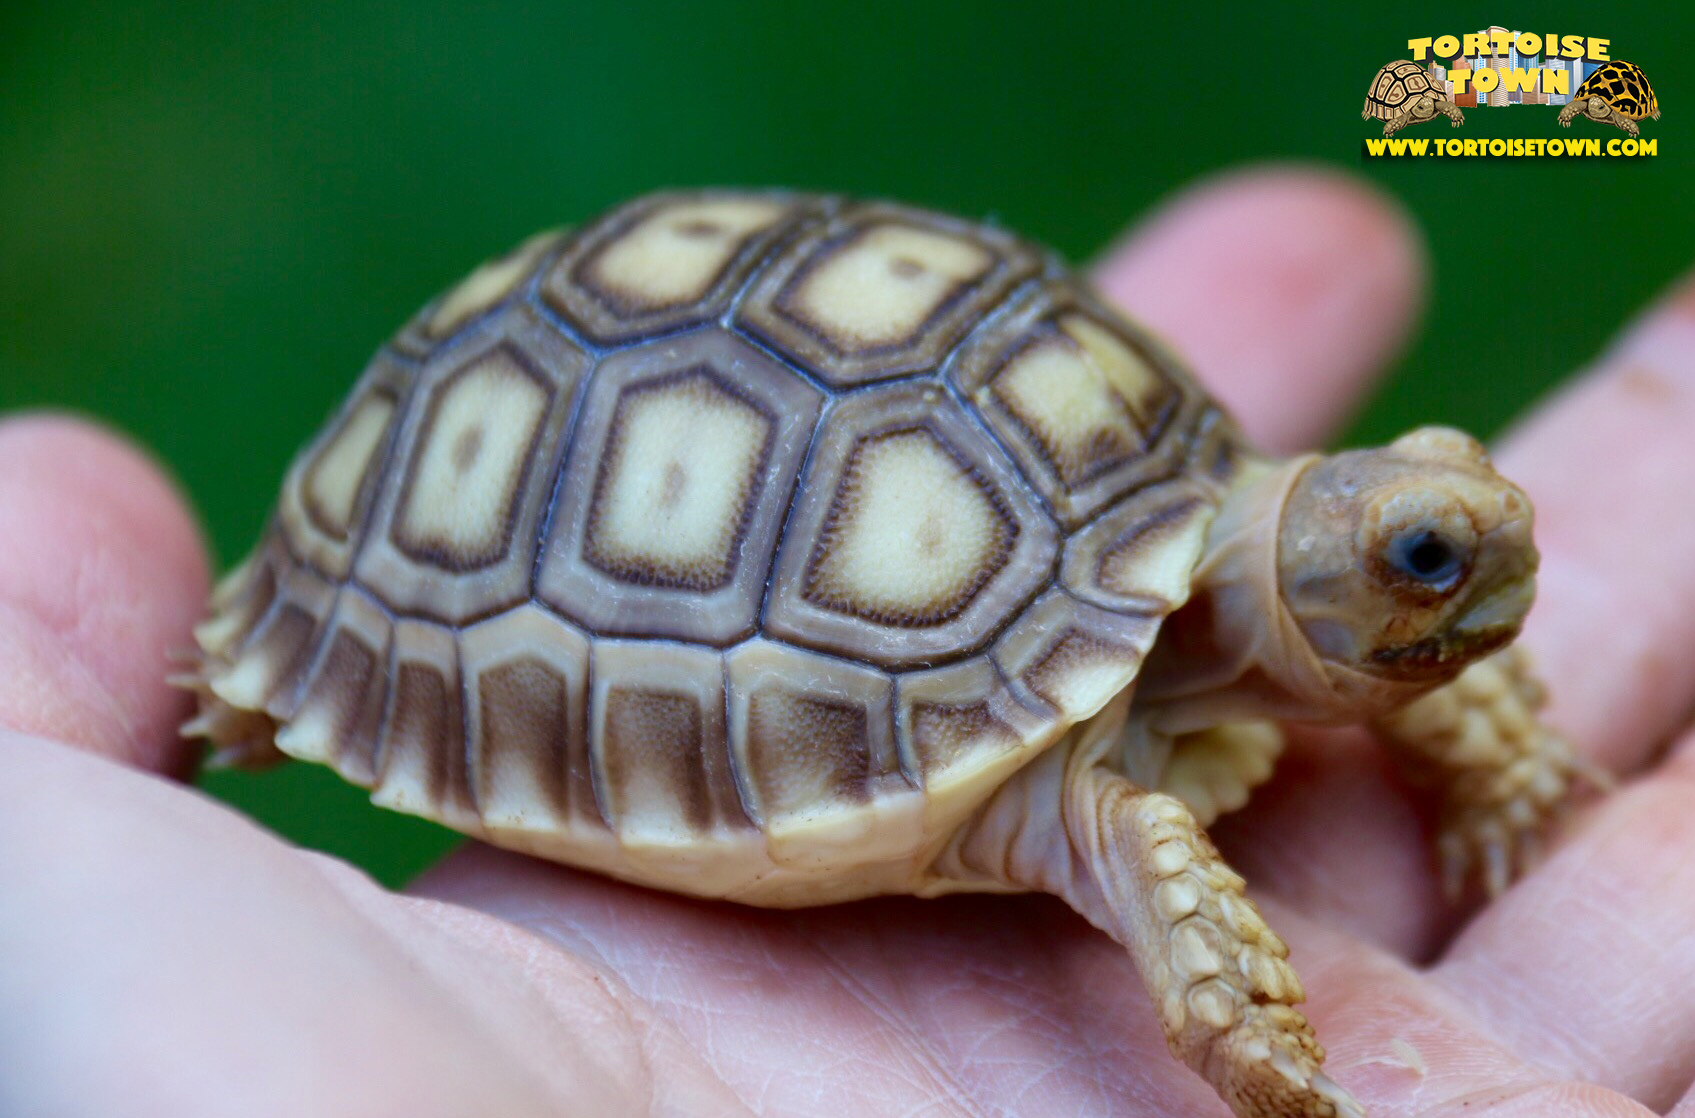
160, 955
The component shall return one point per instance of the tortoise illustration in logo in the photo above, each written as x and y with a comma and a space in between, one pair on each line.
1617, 94
1402, 94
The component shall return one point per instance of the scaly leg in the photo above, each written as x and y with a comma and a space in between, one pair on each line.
1452, 110
1399, 121
1138, 866
1502, 774
1569, 112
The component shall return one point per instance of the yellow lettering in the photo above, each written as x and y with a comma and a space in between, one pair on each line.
1375, 147
1497, 147
1556, 81
1612, 147
1598, 49
1519, 79
1418, 47
1473, 147
1485, 79
1502, 40
1446, 47
1571, 46
1528, 42
1648, 147
1459, 78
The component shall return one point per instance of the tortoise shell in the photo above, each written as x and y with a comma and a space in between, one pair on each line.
739, 543
1394, 86
1623, 86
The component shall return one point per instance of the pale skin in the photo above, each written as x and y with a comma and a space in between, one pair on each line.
1422, 108
165, 957
1597, 109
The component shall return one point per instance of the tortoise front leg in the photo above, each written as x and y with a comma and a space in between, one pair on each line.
1138, 866
1501, 773
1451, 110
1612, 116
1399, 121
1569, 113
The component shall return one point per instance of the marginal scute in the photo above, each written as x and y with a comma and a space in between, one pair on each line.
339, 716
265, 672
665, 262
526, 677
453, 537
816, 756
1070, 657
241, 601
1139, 556
1090, 407
421, 764
913, 538
661, 756
881, 291
685, 454
962, 723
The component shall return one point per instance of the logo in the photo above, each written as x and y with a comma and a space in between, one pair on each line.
1497, 68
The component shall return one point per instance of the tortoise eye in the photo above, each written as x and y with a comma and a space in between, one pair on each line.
1427, 556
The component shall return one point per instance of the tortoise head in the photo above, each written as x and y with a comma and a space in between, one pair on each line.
1403, 564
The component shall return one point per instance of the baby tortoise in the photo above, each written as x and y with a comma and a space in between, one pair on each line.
793, 549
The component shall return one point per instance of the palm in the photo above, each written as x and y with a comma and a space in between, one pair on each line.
168, 958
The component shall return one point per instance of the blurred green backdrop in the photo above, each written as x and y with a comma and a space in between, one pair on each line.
211, 213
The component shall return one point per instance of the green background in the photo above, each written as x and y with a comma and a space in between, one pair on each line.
210, 214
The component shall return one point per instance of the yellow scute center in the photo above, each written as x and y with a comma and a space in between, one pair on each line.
912, 535
682, 465
881, 288
469, 468
672, 256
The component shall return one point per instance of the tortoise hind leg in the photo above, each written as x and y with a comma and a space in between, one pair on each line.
1138, 866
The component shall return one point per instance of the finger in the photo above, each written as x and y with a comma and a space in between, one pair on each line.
1287, 288
298, 986
1586, 966
101, 575
1609, 464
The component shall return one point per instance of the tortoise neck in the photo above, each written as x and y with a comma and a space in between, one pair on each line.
1234, 651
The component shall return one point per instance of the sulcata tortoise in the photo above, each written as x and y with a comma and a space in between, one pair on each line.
793, 549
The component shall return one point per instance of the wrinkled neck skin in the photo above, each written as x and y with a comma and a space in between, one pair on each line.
1235, 651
